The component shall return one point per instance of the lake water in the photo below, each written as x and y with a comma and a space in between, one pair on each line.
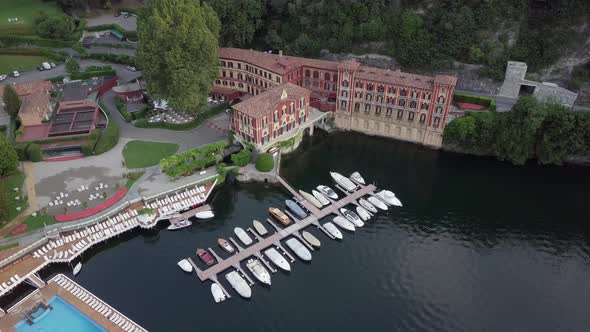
479, 245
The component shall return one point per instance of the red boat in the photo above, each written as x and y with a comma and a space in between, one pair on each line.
205, 256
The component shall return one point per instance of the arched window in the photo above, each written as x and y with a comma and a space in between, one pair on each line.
404, 92
367, 108
441, 99
316, 74
413, 104
414, 94
357, 106
327, 76
217, 82
381, 88
391, 90
422, 118
326, 86
307, 73
222, 63
370, 87
359, 84
344, 93
402, 102
343, 105
378, 110
379, 99
400, 114
411, 117
335, 78
240, 77
369, 97
345, 83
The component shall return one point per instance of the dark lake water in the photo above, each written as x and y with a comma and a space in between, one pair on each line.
478, 246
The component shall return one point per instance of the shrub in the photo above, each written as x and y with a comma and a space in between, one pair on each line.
9, 157
241, 158
122, 108
139, 114
122, 59
264, 162
488, 102
34, 152
21, 149
17, 40
108, 139
55, 27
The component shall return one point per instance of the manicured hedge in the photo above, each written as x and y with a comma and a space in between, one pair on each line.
13, 40
34, 152
140, 114
264, 162
55, 56
21, 150
108, 138
90, 73
122, 59
122, 108
241, 158
488, 102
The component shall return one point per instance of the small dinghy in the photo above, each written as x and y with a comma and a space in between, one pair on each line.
327, 191
239, 284
389, 198
225, 245
310, 198
277, 259
364, 214
333, 230
77, 268
258, 270
353, 217
320, 197
259, 227
343, 223
243, 236
343, 181
296, 209
299, 249
204, 214
356, 177
185, 265
217, 293
377, 202
311, 239
180, 224
368, 206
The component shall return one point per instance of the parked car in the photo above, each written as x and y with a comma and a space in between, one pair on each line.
117, 14
46, 65
131, 68
126, 15
52, 64
40, 68
15, 74
3, 77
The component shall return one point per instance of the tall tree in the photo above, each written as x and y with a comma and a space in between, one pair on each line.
240, 20
178, 51
11, 100
9, 160
415, 43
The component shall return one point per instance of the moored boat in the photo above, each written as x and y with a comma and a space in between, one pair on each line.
389, 198
217, 293
280, 216
332, 229
225, 245
311, 239
296, 209
204, 214
343, 181
310, 198
352, 217
356, 177
239, 284
259, 227
205, 256
320, 197
299, 249
364, 214
179, 224
185, 265
258, 270
343, 223
368, 206
327, 191
243, 236
277, 259
77, 269
377, 202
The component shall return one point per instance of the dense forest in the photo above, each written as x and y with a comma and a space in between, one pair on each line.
420, 34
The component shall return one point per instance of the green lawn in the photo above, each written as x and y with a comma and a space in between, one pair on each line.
143, 153
9, 63
25, 11
38, 221
132, 178
8, 185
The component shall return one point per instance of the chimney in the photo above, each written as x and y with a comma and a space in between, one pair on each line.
280, 52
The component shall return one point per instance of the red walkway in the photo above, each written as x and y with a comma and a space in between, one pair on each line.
64, 158
87, 213
468, 106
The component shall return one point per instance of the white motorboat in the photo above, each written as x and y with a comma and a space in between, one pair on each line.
239, 284
307, 236
368, 206
320, 197
352, 217
310, 198
356, 177
343, 223
243, 236
180, 224
364, 214
327, 191
299, 249
258, 270
185, 265
277, 259
378, 203
389, 198
217, 293
259, 227
333, 230
77, 269
343, 181
204, 214
225, 245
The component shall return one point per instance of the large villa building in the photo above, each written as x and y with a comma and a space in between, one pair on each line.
366, 99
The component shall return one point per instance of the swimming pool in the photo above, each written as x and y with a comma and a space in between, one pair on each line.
64, 317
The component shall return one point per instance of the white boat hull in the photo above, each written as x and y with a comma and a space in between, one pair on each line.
311, 239
217, 293
204, 215
310, 198
320, 197
243, 236
259, 227
277, 259
368, 206
239, 284
185, 265
179, 225
299, 249
327, 191
378, 203
259, 271
352, 217
389, 198
343, 223
364, 214
356, 177
77, 269
343, 181
332, 229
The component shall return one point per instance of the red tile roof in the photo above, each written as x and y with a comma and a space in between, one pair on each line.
395, 77
259, 105
279, 64
35, 97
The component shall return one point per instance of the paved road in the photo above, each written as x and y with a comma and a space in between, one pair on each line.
129, 24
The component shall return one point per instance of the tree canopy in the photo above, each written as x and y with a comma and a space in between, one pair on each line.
9, 160
11, 100
240, 20
178, 51
56, 27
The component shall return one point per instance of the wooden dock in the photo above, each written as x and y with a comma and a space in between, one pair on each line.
189, 213
274, 239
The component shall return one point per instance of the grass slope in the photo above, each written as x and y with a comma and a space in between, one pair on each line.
25, 11
9, 63
139, 154
8, 185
